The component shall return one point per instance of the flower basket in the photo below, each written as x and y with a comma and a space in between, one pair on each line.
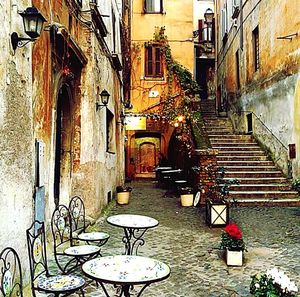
123, 194
217, 213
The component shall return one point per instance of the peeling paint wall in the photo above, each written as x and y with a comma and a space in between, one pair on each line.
269, 92
16, 130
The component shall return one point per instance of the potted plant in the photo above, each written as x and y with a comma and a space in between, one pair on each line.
233, 244
217, 200
273, 283
123, 194
186, 196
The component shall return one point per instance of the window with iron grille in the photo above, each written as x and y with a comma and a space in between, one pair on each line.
153, 61
153, 6
255, 37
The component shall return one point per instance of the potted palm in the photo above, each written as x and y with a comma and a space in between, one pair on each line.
233, 244
123, 194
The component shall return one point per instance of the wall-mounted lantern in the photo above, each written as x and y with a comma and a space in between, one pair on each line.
33, 22
104, 99
208, 16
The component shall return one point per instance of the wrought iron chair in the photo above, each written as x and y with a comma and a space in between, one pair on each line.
10, 273
68, 256
78, 225
41, 279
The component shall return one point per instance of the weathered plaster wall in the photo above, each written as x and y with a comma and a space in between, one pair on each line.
270, 92
16, 141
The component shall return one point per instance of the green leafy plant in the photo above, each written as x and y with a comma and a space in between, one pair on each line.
273, 283
296, 184
123, 189
232, 238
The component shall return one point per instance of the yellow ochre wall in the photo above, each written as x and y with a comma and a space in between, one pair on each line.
177, 18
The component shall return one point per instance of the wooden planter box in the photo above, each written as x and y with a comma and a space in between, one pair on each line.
234, 258
217, 213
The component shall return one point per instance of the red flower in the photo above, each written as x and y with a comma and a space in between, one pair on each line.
233, 231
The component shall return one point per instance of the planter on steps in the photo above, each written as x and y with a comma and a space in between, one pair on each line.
234, 258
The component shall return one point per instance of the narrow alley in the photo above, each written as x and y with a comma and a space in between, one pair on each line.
184, 242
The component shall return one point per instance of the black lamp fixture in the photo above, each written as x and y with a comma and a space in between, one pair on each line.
33, 22
208, 16
104, 99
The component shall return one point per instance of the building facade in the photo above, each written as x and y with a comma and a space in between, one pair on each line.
155, 27
258, 73
58, 138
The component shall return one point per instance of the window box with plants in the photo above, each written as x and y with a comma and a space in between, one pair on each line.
123, 194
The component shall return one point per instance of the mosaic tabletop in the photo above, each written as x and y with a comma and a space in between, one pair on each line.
132, 221
82, 250
122, 269
93, 236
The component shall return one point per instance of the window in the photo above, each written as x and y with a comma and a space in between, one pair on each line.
224, 29
110, 132
153, 6
255, 38
153, 61
237, 62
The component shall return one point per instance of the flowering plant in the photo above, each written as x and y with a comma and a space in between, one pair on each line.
273, 283
232, 238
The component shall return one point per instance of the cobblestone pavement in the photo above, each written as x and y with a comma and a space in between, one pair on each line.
190, 248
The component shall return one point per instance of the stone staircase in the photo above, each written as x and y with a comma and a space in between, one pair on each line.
261, 182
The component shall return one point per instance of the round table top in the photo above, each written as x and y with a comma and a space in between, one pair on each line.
82, 250
163, 168
123, 269
93, 236
132, 221
171, 171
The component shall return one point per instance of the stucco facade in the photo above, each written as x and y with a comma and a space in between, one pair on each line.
148, 92
49, 90
258, 73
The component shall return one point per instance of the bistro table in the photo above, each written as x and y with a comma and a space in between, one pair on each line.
158, 175
134, 227
171, 176
126, 271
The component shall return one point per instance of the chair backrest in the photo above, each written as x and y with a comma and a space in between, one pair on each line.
61, 229
77, 214
11, 283
36, 241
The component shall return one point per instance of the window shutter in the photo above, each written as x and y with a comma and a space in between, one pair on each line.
213, 31
200, 30
157, 62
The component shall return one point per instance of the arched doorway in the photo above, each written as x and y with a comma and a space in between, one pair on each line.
63, 141
147, 152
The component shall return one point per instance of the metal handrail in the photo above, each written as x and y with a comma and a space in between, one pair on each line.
267, 128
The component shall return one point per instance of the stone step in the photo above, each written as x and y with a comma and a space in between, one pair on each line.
229, 169
252, 174
245, 158
262, 194
227, 137
228, 152
263, 180
268, 202
260, 187
244, 163
234, 144
234, 148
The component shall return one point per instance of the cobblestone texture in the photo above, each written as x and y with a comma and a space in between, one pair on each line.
190, 248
